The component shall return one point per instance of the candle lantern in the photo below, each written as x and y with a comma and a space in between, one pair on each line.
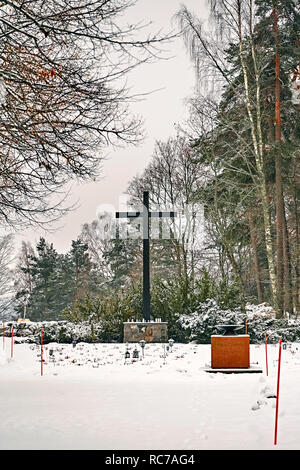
51, 355
127, 355
171, 342
135, 354
142, 344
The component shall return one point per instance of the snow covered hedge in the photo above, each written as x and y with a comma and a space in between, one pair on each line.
197, 326
54, 331
200, 325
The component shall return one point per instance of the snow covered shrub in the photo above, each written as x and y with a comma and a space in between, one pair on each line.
201, 324
180, 297
109, 311
169, 298
53, 331
261, 318
117, 308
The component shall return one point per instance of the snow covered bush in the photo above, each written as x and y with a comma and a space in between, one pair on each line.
196, 326
109, 311
53, 331
201, 324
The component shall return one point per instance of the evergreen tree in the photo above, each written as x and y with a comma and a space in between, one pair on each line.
125, 260
45, 301
81, 270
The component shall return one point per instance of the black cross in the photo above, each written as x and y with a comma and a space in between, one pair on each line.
146, 214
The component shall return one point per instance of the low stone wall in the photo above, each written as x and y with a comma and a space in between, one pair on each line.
151, 332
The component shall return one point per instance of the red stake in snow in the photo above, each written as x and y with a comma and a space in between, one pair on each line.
3, 336
277, 394
266, 346
12, 342
41, 350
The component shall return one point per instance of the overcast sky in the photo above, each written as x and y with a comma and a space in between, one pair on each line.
175, 80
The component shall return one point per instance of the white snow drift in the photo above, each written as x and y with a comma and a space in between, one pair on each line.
88, 398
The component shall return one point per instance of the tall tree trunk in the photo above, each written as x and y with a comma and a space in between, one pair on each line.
288, 289
278, 169
296, 293
259, 286
257, 141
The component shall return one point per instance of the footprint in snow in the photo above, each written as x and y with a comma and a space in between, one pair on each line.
258, 405
267, 392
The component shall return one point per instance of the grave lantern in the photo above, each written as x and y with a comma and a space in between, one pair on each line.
283, 345
127, 355
142, 344
135, 354
51, 354
171, 342
74, 343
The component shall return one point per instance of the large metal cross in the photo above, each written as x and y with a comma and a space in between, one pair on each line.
146, 214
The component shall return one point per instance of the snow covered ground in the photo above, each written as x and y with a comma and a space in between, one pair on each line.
88, 398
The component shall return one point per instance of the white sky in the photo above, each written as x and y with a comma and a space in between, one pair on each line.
175, 80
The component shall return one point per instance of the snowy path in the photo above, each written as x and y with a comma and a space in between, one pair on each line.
88, 399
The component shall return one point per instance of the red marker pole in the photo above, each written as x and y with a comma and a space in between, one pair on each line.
3, 336
12, 342
41, 350
266, 346
277, 394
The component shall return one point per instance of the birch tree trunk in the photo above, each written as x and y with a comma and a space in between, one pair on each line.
257, 142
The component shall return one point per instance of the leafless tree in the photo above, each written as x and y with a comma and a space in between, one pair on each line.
98, 245
64, 98
6, 258
173, 177
6, 273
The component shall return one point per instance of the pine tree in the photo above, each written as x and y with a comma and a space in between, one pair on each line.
44, 300
125, 260
81, 270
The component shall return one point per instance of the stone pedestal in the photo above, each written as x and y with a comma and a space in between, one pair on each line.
230, 352
151, 332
